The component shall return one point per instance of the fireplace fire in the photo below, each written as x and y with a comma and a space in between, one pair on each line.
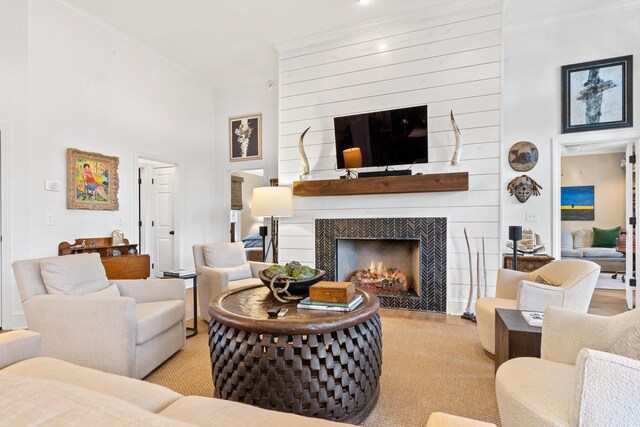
381, 279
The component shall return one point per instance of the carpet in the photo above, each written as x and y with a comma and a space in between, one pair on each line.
427, 366
606, 282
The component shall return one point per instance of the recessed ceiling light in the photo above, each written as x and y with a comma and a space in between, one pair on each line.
364, 1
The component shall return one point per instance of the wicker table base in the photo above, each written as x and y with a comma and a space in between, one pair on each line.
330, 374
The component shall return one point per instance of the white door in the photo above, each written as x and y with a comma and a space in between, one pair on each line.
163, 222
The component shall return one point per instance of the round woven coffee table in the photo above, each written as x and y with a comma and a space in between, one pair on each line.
316, 363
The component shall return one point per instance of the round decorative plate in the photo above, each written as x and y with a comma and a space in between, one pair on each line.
296, 287
523, 156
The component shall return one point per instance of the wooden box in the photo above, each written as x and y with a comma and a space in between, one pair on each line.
324, 291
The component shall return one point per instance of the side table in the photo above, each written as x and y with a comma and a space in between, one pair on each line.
526, 263
194, 277
514, 336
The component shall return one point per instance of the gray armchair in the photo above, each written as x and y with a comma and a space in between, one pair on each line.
223, 266
126, 327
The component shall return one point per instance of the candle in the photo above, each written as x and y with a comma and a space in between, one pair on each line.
352, 158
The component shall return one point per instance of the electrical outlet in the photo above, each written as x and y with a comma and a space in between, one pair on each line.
532, 216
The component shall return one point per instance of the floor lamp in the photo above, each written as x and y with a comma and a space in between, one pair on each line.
274, 202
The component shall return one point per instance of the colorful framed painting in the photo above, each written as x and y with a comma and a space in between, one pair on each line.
92, 181
245, 138
597, 95
577, 203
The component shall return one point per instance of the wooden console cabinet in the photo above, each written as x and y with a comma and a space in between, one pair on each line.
526, 263
124, 266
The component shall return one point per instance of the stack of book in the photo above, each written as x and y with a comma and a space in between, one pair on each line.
179, 273
331, 296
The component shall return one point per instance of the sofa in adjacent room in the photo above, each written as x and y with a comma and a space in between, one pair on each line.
579, 245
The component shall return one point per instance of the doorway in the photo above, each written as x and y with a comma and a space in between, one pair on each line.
594, 196
157, 195
243, 226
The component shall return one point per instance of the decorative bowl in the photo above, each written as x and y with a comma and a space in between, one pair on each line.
296, 287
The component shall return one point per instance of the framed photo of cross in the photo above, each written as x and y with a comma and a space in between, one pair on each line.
597, 95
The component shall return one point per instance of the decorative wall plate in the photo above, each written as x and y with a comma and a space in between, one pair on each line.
523, 156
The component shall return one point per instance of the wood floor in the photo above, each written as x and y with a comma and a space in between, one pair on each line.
605, 302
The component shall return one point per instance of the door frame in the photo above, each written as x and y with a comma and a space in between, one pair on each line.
584, 138
7, 289
177, 200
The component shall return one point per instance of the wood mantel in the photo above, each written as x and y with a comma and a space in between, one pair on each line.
456, 181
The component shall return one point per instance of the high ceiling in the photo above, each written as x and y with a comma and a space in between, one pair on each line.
230, 42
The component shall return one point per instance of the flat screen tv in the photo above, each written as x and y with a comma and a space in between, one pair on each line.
385, 138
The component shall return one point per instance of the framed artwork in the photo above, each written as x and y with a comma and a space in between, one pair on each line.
92, 181
245, 137
597, 95
577, 203
523, 156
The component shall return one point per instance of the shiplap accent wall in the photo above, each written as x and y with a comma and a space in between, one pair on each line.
450, 60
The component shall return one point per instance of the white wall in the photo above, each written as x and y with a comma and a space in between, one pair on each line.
240, 101
604, 173
539, 38
91, 88
447, 57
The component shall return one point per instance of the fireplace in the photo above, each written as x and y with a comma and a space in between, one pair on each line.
402, 260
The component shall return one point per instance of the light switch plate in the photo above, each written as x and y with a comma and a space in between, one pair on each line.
51, 185
532, 216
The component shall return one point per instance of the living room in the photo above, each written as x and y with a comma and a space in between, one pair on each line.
136, 80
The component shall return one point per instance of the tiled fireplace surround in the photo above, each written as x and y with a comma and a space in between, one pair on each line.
431, 233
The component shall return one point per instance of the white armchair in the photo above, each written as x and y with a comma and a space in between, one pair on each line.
126, 327
576, 382
223, 266
573, 284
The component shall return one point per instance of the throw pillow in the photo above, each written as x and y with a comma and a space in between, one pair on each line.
238, 272
73, 274
628, 345
544, 281
582, 239
224, 255
605, 238
109, 291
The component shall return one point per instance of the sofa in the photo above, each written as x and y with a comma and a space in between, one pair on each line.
578, 245
37, 390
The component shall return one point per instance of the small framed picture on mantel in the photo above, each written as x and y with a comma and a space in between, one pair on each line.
597, 95
245, 137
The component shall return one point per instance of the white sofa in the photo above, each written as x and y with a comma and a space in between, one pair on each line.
127, 327
576, 382
575, 281
38, 390
579, 245
223, 266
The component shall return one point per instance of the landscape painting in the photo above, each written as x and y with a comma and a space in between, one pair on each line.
577, 203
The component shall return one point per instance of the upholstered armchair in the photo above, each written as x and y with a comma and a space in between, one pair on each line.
564, 283
223, 266
583, 377
126, 327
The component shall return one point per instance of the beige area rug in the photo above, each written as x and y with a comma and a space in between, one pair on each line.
427, 366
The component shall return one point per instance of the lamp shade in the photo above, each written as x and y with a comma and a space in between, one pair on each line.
272, 201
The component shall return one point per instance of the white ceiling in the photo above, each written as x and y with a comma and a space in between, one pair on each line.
230, 42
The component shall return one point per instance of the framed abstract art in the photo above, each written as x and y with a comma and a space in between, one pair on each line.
92, 181
597, 95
